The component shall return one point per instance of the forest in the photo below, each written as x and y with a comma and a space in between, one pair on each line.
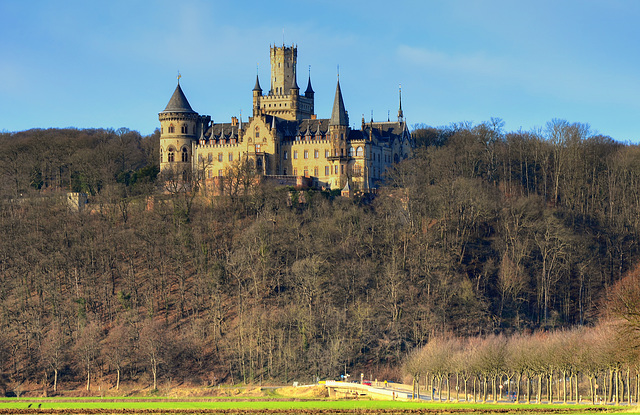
483, 233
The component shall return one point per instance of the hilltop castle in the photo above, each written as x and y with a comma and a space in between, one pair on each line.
283, 139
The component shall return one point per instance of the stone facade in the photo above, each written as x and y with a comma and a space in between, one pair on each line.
283, 137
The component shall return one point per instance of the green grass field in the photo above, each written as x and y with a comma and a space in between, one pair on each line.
324, 405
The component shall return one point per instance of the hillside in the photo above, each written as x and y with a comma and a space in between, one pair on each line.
482, 231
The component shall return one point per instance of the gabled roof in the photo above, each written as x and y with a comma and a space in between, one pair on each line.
339, 114
178, 102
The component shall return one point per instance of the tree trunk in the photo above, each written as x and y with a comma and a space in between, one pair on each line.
539, 395
55, 380
118, 380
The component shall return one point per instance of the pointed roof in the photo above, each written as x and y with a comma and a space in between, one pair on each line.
257, 87
178, 102
309, 89
339, 114
400, 113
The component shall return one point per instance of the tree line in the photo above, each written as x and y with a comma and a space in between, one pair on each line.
481, 232
583, 364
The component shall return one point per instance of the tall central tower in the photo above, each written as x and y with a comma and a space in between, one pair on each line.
284, 99
283, 69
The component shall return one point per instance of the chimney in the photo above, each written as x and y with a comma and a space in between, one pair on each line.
234, 121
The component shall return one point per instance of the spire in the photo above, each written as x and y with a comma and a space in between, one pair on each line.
339, 114
400, 114
178, 101
273, 122
309, 92
257, 87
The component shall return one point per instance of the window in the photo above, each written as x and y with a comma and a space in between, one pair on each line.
184, 129
160, 155
220, 173
295, 154
359, 151
326, 154
171, 129
210, 158
285, 171
219, 156
257, 148
171, 156
306, 171
326, 170
341, 136
306, 154
342, 169
257, 132
185, 155
230, 156
336, 169
295, 172
352, 152
315, 171
286, 155
316, 154
209, 173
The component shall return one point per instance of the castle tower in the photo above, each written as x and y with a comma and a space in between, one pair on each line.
257, 94
338, 131
283, 69
177, 133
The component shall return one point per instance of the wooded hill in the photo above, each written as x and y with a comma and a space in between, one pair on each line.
481, 232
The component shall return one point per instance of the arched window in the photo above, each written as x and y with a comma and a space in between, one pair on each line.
184, 129
359, 151
396, 159
185, 155
171, 156
352, 152
160, 155
171, 129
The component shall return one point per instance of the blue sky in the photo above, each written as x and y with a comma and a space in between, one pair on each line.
111, 64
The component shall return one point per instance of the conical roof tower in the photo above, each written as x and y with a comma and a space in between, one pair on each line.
178, 102
339, 115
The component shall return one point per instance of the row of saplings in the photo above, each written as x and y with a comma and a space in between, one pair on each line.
596, 365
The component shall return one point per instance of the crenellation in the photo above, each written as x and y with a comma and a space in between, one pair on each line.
284, 137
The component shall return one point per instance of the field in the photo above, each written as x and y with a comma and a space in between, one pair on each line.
274, 404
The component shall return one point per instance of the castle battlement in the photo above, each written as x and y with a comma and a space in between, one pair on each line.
275, 138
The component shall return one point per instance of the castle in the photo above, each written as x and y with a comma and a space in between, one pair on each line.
283, 139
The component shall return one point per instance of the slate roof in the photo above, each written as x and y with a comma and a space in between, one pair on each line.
178, 102
339, 114
257, 86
